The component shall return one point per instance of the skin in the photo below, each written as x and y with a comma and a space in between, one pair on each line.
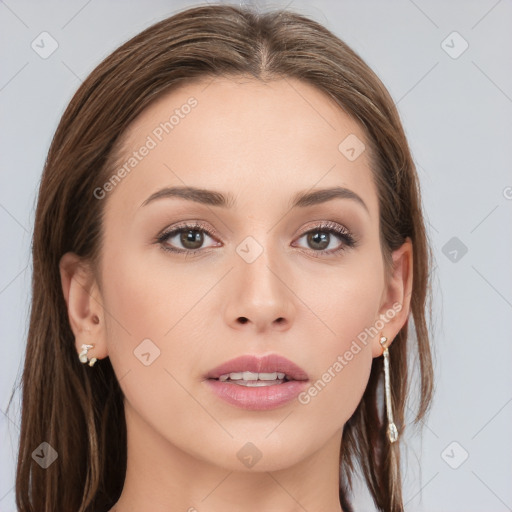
262, 143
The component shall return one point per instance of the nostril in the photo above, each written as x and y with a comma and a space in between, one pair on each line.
243, 320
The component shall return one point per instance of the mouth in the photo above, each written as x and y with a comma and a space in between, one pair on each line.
257, 383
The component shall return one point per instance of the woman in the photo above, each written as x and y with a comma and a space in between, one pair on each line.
227, 250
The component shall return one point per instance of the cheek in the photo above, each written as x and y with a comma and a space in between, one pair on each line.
150, 323
342, 362
148, 296
346, 308
158, 332
345, 300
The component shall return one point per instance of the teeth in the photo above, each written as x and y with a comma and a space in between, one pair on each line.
251, 376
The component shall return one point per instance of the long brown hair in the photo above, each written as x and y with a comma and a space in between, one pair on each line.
80, 412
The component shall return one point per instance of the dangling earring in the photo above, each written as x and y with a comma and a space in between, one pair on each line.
83, 355
392, 430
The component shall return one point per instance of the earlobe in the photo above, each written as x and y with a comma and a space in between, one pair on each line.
84, 306
396, 297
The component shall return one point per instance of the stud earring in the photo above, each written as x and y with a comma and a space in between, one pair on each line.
83, 355
392, 430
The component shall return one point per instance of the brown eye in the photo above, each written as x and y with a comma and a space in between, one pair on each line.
318, 240
185, 239
321, 237
191, 239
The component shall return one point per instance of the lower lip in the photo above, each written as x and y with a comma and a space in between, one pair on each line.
260, 398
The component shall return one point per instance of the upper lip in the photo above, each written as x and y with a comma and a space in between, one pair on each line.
259, 364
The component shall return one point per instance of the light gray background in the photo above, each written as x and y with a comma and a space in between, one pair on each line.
457, 113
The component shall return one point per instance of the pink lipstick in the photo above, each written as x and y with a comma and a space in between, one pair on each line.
257, 382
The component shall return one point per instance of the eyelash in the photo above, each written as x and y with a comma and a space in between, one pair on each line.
326, 227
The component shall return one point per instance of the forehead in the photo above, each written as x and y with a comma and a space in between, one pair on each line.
263, 141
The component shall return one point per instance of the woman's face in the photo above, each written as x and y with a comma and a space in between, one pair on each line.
249, 274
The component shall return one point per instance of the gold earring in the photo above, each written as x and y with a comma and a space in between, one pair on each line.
83, 355
392, 430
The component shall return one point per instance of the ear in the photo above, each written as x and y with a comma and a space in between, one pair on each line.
84, 304
396, 297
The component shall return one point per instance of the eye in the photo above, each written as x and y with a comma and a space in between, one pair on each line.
329, 234
191, 237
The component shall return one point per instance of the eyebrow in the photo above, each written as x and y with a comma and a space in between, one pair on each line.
213, 198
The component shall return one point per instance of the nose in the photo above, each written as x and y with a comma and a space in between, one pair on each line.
260, 296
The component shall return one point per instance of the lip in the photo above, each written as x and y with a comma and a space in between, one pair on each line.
264, 364
258, 398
